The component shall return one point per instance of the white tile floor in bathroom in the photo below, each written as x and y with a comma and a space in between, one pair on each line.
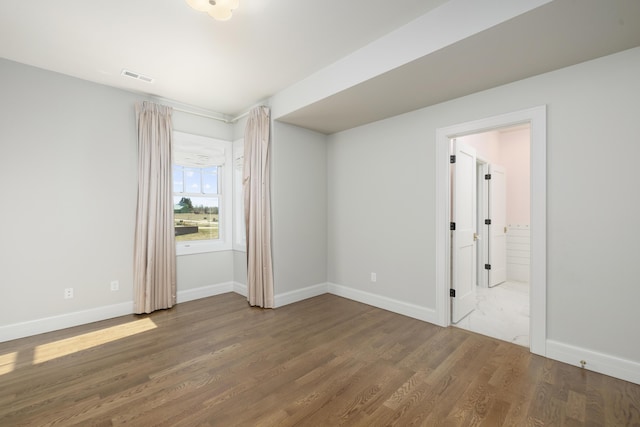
501, 312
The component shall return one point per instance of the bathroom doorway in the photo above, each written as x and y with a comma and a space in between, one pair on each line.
445, 286
501, 235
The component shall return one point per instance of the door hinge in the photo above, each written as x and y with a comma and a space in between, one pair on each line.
487, 222
487, 176
452, 293
452, 159
487, 266
452, 226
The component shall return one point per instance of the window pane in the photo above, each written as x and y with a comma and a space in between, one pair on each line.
178, 179
196, 218
192, 180
210, 180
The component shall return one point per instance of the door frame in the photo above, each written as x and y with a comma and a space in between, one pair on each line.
537, 118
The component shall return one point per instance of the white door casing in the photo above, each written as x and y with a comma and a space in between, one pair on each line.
498, 226
463, 237
537, 117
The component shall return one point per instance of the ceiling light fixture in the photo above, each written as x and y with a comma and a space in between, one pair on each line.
217, 9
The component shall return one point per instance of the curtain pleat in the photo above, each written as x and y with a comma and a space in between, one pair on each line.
154, 272
257, 206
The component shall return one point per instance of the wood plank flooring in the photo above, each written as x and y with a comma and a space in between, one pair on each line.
326, 361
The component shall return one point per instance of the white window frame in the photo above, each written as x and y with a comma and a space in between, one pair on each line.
225, 200
239, 240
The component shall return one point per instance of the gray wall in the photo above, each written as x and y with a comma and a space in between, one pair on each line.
68, 184
240, 267
299, 208
381, 210
204, 269
381, 186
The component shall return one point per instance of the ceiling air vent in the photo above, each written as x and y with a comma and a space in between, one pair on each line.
136, 76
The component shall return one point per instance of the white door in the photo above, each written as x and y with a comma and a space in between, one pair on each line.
482, 230
498, 226
463, 247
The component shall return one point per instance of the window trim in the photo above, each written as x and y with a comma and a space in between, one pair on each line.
239, 244
225, 201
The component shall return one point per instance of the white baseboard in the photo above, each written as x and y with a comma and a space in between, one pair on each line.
598, 362
386, 303
67, 320
204, 292
240, 288
300, 294
396, 306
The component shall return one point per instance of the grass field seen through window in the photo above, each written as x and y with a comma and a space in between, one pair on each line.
208, 226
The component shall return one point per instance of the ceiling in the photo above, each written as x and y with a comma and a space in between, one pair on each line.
227, 67
224, 67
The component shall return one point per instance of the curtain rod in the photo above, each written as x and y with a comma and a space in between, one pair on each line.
191, 110
188, 109
209, 116
235, 119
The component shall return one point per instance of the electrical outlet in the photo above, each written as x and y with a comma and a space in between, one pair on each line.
68, 293
115, 285
374, 277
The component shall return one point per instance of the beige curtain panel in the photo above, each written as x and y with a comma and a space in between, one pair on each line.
154, 270
257, 208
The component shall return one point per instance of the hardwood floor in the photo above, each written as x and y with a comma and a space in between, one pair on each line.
325, 361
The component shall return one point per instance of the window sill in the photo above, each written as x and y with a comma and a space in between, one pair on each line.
201, 246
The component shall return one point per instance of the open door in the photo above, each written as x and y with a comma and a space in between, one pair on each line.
463, 233
482, 229
498, 226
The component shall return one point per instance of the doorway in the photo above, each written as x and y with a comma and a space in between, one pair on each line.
536, 118
500, 281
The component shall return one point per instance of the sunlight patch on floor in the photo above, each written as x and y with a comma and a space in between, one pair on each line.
8, 362
56, 349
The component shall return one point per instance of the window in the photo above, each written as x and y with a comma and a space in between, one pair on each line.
196, 203
201, 186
